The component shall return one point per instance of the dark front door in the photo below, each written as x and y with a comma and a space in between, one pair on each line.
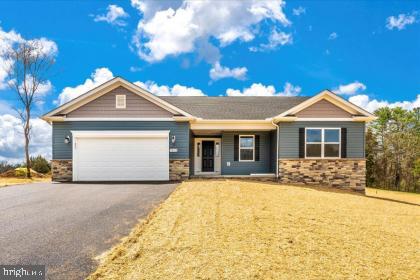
208, 156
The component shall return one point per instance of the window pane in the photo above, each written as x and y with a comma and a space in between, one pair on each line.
313, 150
246, 142
331, 150
332, 135
246, 154
313, 135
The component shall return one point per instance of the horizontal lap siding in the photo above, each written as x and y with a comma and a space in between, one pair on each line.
104, 106
273, 150
63, 129
245, 168
323, 109
289, 137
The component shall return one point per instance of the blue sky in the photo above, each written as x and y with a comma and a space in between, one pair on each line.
366, 50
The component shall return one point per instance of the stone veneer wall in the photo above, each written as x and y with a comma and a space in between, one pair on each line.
179, 169
339, 173
62, 170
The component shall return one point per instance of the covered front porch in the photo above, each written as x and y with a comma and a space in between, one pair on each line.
233, 152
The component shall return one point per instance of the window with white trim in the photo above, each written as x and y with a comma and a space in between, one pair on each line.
246, 147
322, 142
120, 102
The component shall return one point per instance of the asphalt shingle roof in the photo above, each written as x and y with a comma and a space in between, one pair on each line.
234, 107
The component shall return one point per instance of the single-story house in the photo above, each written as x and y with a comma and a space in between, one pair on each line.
121, 132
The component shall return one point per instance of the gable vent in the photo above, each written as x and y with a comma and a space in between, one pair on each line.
120, 102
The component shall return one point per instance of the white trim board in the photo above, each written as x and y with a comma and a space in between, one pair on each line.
147, 153
324, 119
263, 126
120, 133
198, 156
323, 143
117, 119
246, 148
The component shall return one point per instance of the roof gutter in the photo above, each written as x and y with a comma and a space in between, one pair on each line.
201, 120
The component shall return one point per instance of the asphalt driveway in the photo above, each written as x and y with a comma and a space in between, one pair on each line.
64, 226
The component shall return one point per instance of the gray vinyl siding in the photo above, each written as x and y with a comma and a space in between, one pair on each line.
245, 168
192, 157
273, 150
60, 130
104, 107
289, 137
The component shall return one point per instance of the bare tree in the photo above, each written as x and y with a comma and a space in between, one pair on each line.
27, 65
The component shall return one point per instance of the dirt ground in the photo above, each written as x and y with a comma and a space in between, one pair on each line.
249, 230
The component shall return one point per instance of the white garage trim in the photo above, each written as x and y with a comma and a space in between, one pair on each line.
120, 133
133, 155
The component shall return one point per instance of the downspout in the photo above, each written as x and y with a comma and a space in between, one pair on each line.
277, 147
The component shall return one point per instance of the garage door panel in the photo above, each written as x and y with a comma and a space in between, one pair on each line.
95, 174
121, 159
115, 164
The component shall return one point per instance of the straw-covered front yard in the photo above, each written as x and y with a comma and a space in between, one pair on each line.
4, 182
245, 230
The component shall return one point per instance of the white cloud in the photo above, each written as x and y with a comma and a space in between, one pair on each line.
47, 47
163, 90
333, 36
274, 40
44, 88
350, 89
12, 140
5, 108
114, 16
290, 90
299, 11
102, 75
254, 90
10, 39
41, 91
401, 21
371, 105
99, 76
176, 28
149, 8
258, 89
135, 69
218, 72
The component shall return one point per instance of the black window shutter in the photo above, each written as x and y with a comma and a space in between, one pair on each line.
301, 142
236, 147
257, 148
343, 142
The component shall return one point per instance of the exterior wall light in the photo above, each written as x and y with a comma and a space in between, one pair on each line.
173, 139
67, 140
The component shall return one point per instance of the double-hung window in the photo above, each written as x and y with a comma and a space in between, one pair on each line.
246, 147
322, 142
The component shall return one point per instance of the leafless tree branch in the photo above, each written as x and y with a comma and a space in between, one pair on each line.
27, 68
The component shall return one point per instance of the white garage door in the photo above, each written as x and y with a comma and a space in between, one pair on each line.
120, 156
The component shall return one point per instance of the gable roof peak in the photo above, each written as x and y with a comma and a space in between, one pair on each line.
107, 87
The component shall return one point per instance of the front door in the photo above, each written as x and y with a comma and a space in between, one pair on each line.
208, 156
